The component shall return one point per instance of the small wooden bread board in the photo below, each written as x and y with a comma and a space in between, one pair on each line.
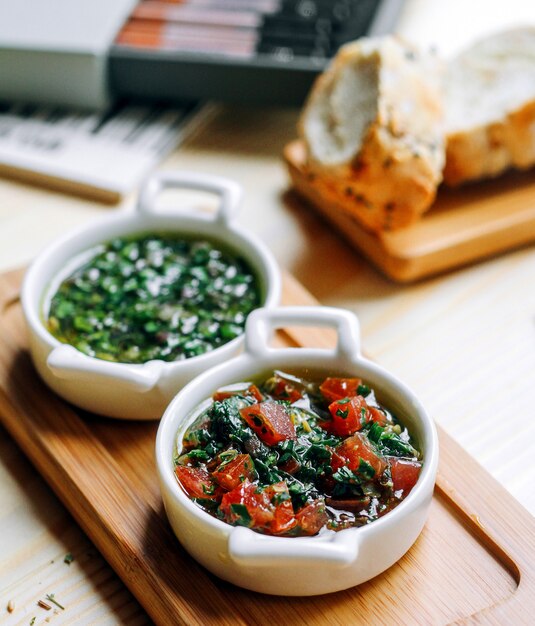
474, 562
464, 225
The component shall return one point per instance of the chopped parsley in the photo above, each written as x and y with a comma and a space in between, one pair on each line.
242, 514
154, 296
50, 597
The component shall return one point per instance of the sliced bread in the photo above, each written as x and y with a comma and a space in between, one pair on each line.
373, 130
489, 104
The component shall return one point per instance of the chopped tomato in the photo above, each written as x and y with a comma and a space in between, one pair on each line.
196, 482
270, 421
349, 415
247, 505
230, 474
284, 390
355, 448
312, 517
404, 474
250, 391
334, 389
283, 514
376, 415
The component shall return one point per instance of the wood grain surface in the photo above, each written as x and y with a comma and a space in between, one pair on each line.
475, 559
463, 226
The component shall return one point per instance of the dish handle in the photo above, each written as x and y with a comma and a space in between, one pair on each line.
261, 324
67, 362
250, 548
229, 191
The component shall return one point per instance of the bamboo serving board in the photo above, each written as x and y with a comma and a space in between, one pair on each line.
464, 225
474, 561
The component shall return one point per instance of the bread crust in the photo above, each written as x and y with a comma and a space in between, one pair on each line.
489, 150
496, 73
392, 178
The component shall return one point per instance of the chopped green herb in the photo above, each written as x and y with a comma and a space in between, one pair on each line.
374, 431
154, 296
50, 597
365, 469
363, 390
318, 452
342, 414
199, 455
394, 444
68, 558
208, 490
228, 456
345, 475
240, 510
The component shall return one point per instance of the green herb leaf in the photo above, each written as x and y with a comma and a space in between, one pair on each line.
346, 476
394, 445
374, 431
366, 470
209, 491
198, 455
228, 456
240, 510
363, 390
319, 452
68, 558
50, 597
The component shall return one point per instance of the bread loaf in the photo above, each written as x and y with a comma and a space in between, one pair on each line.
489, 102
373, 130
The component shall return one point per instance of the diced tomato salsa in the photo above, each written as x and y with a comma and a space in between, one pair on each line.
292, 457
270, 421
334, 389
404, 474
230, 474
355, 449
351, 414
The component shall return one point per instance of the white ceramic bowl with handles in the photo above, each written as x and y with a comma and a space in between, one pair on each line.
330, 561
137, 391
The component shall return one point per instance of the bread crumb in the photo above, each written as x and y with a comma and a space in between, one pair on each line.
44, 605
10, 606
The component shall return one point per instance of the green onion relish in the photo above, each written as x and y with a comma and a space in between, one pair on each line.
154, 296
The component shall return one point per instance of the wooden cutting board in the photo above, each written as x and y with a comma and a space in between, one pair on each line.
469, 224
475, 560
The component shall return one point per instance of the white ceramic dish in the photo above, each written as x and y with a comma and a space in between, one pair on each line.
330, 561
125, 390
